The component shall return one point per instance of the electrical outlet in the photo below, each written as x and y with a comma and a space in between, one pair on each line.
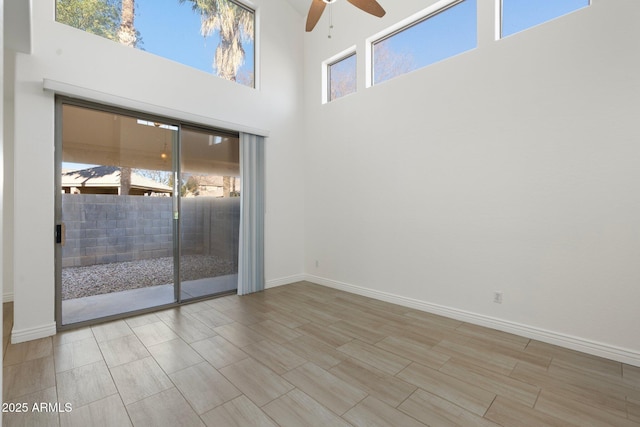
317, 264
497, 297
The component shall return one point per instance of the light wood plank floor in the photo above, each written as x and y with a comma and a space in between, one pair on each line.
306, 355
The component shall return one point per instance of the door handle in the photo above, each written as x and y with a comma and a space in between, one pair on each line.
61, 233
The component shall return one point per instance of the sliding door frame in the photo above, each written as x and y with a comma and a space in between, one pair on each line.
61, 100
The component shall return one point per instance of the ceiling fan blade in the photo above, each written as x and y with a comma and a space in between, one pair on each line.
315, 12
369, 6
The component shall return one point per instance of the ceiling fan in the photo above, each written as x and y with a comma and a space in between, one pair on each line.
317, 7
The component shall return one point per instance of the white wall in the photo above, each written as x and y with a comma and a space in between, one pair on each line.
2, 178
7, 232
67, 55
17, 37
512, 168
7, 188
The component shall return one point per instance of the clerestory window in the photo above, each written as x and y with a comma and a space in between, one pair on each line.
215, 36
342, 77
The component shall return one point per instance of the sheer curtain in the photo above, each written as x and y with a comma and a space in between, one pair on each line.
251, 250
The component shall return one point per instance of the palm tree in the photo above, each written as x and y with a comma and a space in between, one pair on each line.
236, 26
127, 32
127, 36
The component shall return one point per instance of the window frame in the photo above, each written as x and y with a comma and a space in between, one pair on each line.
251, 7
326, 72
399, 27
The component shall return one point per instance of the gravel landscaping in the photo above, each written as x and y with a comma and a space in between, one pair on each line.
78, 282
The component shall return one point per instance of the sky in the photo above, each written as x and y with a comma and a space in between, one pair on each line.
448, 33
172, 30
518, 15
342, 80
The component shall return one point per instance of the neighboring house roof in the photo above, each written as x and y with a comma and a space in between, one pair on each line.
209, 180
109, 177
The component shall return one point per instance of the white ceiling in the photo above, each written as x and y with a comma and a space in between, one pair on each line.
301, 6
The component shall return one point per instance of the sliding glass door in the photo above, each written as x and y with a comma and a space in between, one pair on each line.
209, 212
147, 212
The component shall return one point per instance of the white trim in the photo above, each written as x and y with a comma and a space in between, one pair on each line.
325, 69
368, 62
498, 20
18, 336
257, 27
87, 94
257, 49
7, 297
575, 343
285, 281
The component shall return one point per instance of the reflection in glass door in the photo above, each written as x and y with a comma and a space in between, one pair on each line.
115, 214
147, 212
209, 212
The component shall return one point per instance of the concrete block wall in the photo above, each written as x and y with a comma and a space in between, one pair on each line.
211, 226
220, 219
104, 229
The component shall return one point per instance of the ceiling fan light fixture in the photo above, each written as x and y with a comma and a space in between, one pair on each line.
318, 6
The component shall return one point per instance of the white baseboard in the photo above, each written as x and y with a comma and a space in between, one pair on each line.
18, 336
574, 343
7, 297
285, 281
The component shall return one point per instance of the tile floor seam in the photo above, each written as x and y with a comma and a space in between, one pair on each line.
190, 404
449, 400
537, 397
114, 383
489, 407
55, 382
272, 400
125, 409
408, 414
407, 398
356, 404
